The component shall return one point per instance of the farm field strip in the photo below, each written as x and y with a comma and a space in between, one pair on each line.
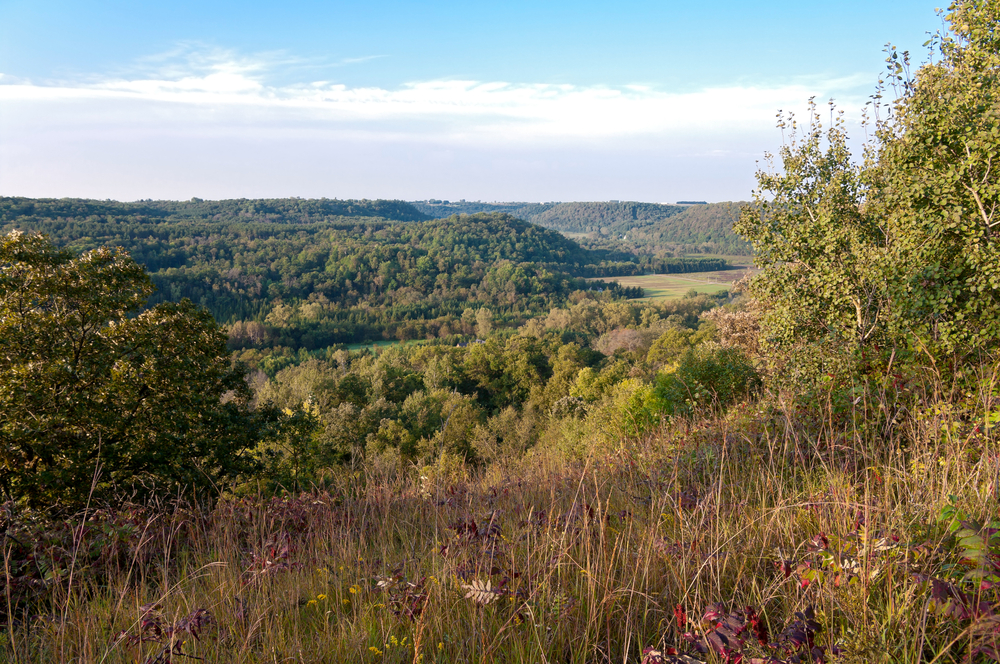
665, 286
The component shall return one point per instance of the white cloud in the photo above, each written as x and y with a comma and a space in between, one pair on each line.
234, 89
453, 138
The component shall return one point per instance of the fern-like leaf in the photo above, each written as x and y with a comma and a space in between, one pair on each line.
479, 592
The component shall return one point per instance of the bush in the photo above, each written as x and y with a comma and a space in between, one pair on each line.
707, 376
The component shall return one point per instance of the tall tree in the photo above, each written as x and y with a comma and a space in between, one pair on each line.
99, 397
899, 251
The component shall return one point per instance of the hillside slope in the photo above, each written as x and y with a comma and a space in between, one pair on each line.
633, 227
314, 279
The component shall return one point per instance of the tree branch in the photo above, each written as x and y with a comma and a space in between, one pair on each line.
982, 209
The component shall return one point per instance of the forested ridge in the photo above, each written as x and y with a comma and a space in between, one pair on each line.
654, 229
278, 210
303, 273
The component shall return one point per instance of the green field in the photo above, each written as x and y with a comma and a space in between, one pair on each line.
372, 345
666, 286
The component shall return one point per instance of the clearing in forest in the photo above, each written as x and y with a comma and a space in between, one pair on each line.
666, 286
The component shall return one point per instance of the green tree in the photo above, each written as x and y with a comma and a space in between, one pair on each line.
899, 252
942, 185
821, 241
99, 396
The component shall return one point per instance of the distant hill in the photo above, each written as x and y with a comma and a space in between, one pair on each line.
280, 210
645, 228
706, 227
565, 217
608, 218
442, 209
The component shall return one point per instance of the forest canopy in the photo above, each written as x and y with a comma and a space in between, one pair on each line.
309, 274
645, 229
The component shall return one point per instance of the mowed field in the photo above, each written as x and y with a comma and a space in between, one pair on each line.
375, 345
666, 286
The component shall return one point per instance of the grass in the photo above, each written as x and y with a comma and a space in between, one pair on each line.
372, 345
806, 533
667, 286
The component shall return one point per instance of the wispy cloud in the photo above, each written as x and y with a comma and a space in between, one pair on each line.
359, 60
237, 88
209, 121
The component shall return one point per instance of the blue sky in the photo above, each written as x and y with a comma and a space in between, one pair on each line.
502, 101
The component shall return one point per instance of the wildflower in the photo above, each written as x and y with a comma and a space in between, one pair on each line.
321, 597
353, 590
346, 602
311, 602
440, 645
393, 640
375, 650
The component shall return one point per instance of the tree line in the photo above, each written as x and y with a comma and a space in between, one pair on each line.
313, 281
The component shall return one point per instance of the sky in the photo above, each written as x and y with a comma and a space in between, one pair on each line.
504, 101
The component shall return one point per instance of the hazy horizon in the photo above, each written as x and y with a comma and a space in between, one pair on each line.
583, 101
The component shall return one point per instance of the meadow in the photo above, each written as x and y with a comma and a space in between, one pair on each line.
760, 536
666, 286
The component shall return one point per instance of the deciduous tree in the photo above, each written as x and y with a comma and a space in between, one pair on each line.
900, 251
99, 397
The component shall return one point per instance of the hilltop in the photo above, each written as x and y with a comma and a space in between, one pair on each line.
642, 228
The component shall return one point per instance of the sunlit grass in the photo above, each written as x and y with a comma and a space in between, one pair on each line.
542, 559
667, 286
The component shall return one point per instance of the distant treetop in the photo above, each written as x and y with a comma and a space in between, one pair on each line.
281, 210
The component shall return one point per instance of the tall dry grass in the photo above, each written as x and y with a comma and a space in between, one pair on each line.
824, 538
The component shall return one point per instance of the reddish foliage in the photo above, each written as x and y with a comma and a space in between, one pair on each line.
168, 637
734, 635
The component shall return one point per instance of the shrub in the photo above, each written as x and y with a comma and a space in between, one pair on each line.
707, 376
